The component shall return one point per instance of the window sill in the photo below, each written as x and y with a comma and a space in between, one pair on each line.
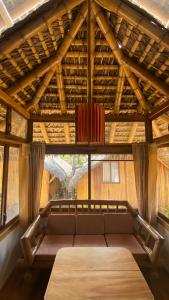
9, 227
163, 220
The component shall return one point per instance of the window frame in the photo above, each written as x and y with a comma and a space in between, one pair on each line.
110, 166
3, 223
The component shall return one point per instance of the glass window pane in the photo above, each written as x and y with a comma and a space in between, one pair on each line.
115, 176
18, 125
66, 177
106, 172
12, 202
1, 174
3, 112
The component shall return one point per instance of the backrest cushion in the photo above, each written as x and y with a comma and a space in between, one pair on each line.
61, 224
90, 224
118, 223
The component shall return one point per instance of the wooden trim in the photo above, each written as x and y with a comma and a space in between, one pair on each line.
70, 118
162, 140
163, 220
148, 131
88, 149
6, 139
159, 110
8, 100
9, 227
4, 185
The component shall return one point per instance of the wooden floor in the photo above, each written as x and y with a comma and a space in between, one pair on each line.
18, 289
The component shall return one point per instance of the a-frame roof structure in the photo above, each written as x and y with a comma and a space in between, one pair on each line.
44, 62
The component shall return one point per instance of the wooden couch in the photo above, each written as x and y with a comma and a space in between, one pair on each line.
88, 223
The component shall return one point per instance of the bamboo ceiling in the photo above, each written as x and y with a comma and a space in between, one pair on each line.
43, 63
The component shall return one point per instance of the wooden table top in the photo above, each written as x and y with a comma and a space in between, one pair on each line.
95, 258
92, 273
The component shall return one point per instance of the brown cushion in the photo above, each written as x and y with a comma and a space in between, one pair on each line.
51, 244
90, 224
118, 223
61, 224
89, 241
127, 241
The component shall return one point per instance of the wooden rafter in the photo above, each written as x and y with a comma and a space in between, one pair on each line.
52, 61
119, 91
44, 132
147, 75
112, 132
137, 19
62, 98
107, 31
41, 89
37, 25
5, 98
132, 132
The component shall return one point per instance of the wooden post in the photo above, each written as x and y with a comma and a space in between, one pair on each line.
30, 131
4, 185
89, 177
148, 131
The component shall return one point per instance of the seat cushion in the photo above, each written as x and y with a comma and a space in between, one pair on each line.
118, 223
89, 241
127, 241
51, 244
89, 224
63, 224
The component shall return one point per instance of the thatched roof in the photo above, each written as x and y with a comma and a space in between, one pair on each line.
43, 62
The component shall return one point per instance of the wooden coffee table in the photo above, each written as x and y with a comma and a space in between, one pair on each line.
96, 273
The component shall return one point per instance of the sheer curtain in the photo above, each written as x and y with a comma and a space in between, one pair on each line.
36, 165
145, 168
24, 185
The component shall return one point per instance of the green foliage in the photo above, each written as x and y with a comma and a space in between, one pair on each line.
167, 211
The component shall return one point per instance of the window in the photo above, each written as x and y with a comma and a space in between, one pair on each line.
163, 181
1, 175
111, 172
9, 184
3, 111
12, 200
18, 125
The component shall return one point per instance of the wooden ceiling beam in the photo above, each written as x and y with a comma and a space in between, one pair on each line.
6, 99
119, 91
40, 70
37, 25
41, 89
159, 110
132, 132
44, 132
112, 132
139, 71
138, 20
69, 118
107, 31
62, 99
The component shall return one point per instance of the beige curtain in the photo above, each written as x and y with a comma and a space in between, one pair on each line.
140, 155
145, 167
36, 165
24, 185
152, 184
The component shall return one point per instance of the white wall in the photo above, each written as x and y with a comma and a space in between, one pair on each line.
164, 253
10, 251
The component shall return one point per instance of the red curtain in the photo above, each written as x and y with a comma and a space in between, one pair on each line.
90, 117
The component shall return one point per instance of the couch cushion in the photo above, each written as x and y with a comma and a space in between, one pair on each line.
89, 241
51, 244
61, 224
118, 223
90, 224
127, 241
